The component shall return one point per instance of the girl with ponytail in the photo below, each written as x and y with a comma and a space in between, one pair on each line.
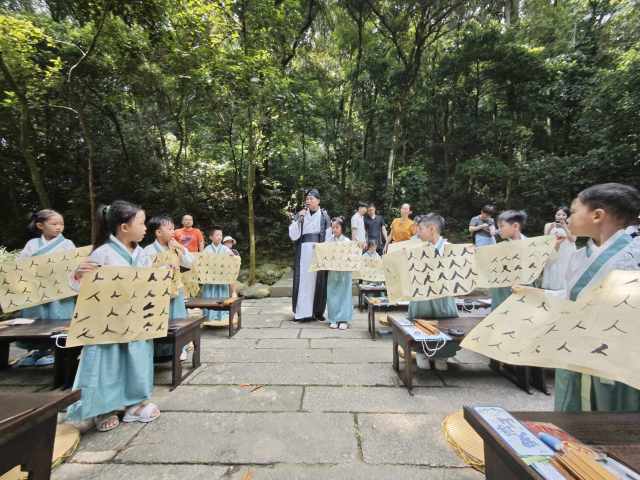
117, 375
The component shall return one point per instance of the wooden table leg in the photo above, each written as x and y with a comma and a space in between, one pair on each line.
372, 321
4, 355
539, 379
360, 300
176, 364
396, 355
195, 358
41, 452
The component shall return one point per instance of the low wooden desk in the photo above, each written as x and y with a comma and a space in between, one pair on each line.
618, 434
183, 331
464, 323
366, 290
28, 428
231, 305
40, 332
373, 306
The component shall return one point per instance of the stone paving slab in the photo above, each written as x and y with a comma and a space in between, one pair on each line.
266, 355
116, 439
357, 471
259, 333
257, 438
232, 399
331, 333
283, 343
36, 376
301, 374
360, 355
414, 439
355, 343
219, 343
138, 472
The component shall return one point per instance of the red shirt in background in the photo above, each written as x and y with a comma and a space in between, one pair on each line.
191, 238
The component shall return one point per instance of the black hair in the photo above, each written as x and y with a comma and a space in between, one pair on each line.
432, 219
564, 208
371, 205
339, 221
362, 205
513, 216
372, 243
211, 230
40, 216
488, 209
621, 201
157, 221
110, 217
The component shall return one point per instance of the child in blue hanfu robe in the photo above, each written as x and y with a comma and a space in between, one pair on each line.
50, 225
601, 213
429, 230
120, 375
510, 225
211, 290
339, 285
163, 228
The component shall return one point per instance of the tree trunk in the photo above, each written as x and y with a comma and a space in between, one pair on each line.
90, 183
395, 139
251, 180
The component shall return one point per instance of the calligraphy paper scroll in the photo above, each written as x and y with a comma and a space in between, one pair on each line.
171, 259
190, 278
120, 305
404, 245
336, 256
513, 263
37, 280
597, 335
217, 268
419, 273
371, 270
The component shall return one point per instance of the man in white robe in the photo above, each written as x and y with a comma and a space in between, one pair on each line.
309, 288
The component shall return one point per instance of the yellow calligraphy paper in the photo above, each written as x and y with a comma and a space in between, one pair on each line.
40, 279
597, 334
336, 256
171, 259
372, 270
217, 268
120, 305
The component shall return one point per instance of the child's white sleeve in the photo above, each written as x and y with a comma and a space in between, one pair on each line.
186, 259
28, 250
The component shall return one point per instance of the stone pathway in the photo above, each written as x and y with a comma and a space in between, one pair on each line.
283, 400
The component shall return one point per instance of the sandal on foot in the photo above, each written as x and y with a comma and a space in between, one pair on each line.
107, 422
144, 413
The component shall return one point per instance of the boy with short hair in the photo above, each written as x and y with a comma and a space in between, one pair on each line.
429, 230
358, 232
510, 226
211, 290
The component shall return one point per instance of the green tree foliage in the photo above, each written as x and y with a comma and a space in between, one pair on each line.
229, 109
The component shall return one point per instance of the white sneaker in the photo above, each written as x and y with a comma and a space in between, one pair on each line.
343, 326
183, 354
441, 365
333, 325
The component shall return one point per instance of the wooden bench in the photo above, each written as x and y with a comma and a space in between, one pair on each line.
618, 434
40, 333
231, 305
183, 331
409, 345
375, 305
28, 428
365, 290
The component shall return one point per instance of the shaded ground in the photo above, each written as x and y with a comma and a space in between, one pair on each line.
283, 400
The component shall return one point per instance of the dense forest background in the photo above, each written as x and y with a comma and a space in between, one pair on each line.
229, 109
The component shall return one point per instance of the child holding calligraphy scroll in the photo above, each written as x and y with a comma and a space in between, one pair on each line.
48, 225
163, 228
339, 299
218, 291
510, 225
430, 228
599, 213
119, 375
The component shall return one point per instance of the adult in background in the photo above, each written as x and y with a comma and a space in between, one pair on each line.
402, 228
308, 227
483, 227
376, 228
555, 270
358, 232
189, 236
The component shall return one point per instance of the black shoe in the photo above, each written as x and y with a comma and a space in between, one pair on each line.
306, 319
321, 318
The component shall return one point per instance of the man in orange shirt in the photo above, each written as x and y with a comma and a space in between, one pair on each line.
402, 228
192, 238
